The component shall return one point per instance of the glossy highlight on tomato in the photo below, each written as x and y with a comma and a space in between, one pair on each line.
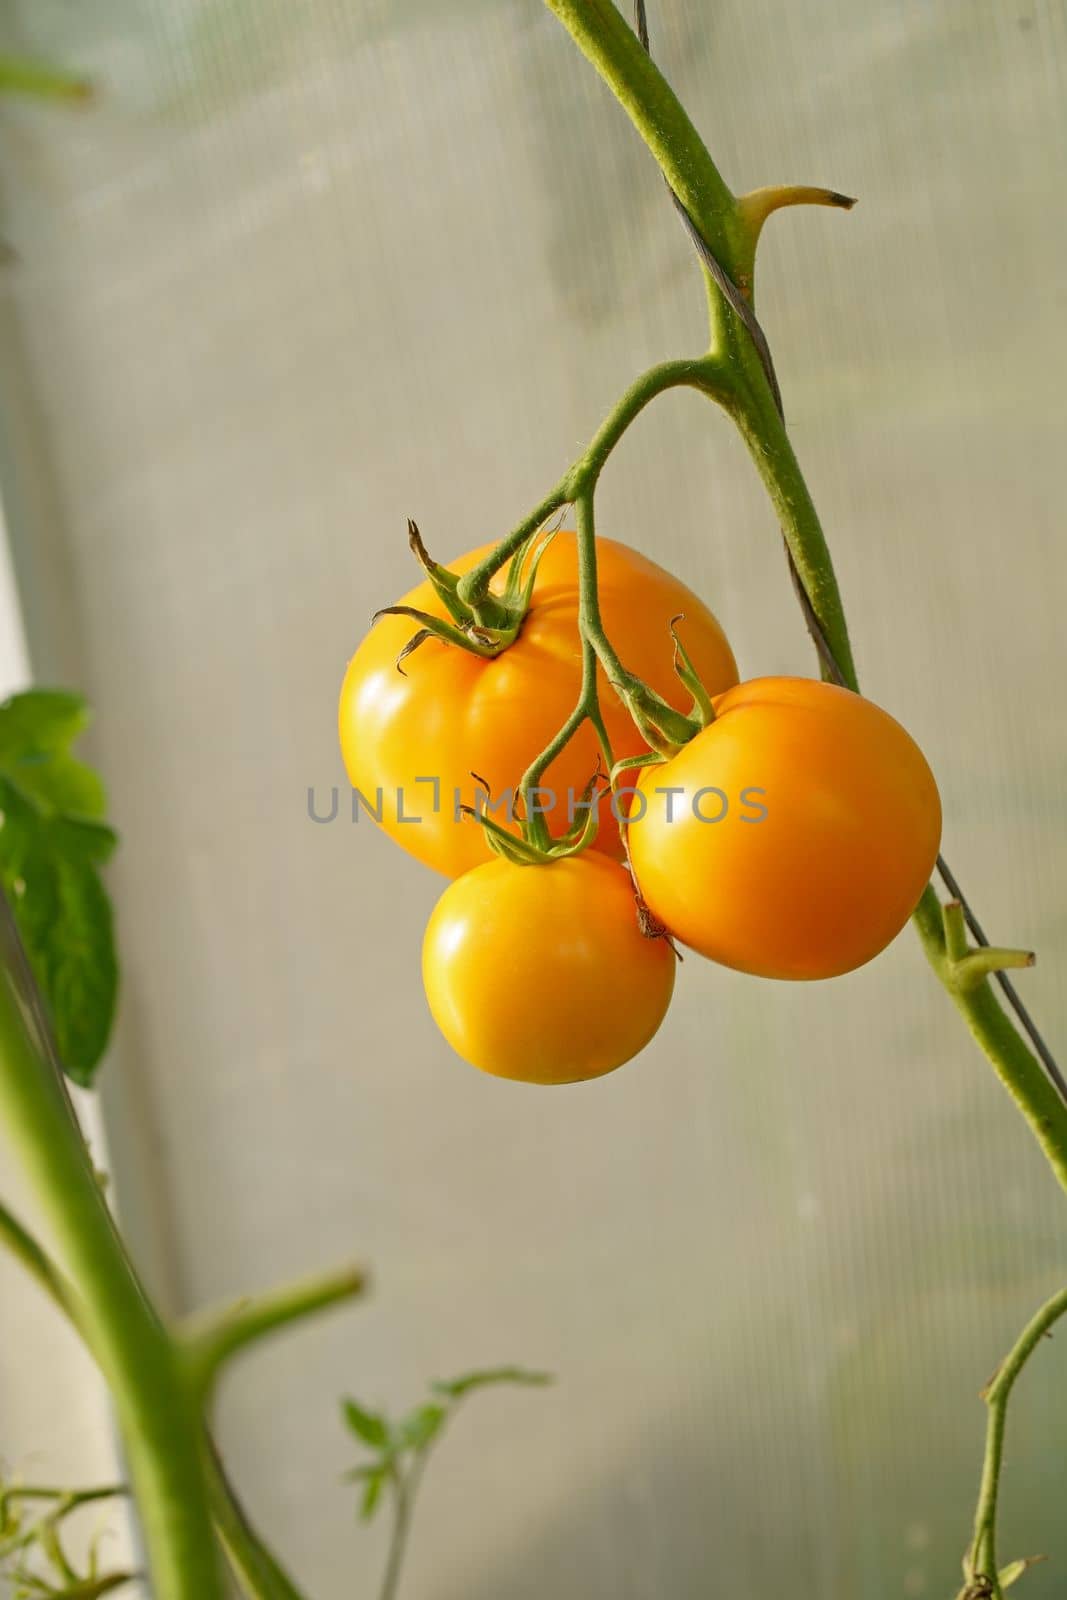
450, 713
830, 872
542, 973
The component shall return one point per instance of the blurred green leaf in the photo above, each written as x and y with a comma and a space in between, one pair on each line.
421, 1426
372, 1492
367, 1425
1012, 1573
455, 1388
52, 839
41, 81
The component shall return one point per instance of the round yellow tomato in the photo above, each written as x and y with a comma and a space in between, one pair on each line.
412, 739
802, 829
541, 973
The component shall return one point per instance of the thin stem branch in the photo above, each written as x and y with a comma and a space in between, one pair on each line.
398, 1539
659, 724
704, 373
474, 585
983, 1553
578, 485
210, 1338
254, 1564
71, 1498
24, 1247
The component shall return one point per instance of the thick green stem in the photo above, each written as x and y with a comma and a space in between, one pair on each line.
260, 1575
255, 1565
160, 1428
983, 1553
1011, 1058
604, 36
751, 405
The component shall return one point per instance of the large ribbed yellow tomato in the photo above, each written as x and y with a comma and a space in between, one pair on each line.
416, 736
542, 973
803, 826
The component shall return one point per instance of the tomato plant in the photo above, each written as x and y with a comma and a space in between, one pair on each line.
542, 973
418, 732
827, 860
788, 829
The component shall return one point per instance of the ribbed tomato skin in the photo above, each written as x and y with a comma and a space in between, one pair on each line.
450, 714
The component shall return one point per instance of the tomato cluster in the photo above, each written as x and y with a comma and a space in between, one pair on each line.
790, 838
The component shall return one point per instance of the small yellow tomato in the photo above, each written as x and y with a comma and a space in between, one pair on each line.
541, 973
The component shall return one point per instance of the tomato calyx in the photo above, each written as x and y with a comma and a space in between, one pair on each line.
701, 711
664, 729
485, 627
527, 848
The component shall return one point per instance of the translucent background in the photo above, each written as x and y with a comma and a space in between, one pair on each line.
307, 270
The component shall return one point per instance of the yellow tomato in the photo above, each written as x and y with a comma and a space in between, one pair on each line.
412, 739
542, 973
803, 826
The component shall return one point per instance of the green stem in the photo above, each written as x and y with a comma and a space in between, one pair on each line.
25, 1249
257, 1569
1014, 1063
402, 1508
607, 40
536, 827
657, 722
71, 1498
704, 373
983, 1555
751, 405
210, 1338
159, 1427
579, 485
473, 587
740, 385
254, 1564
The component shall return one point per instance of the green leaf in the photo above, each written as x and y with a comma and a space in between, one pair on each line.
423, 1425
36, 731
456, 1388
367, 1425
1012, 1573
372, 1493
41, 720
52, 840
